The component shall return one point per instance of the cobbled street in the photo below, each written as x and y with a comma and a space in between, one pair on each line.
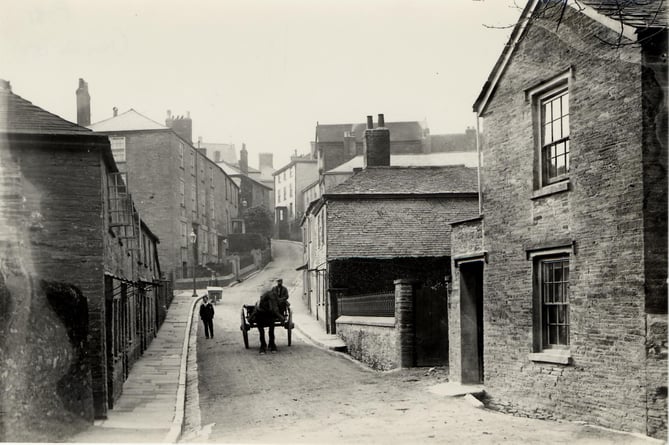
304, 394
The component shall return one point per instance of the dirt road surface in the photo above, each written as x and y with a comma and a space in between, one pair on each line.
304, 394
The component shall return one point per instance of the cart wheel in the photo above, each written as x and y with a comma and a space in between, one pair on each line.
245, 333
289, 326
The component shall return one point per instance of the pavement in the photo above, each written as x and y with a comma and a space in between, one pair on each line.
152, 405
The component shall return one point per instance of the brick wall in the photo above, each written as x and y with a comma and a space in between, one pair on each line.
601, 211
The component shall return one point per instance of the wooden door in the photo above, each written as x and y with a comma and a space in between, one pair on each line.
431, 324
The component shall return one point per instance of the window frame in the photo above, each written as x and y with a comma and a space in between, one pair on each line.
114, 144
537, 96
543, 351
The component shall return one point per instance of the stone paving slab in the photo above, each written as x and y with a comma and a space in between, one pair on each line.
145, 411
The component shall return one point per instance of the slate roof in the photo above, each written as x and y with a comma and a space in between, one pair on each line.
468, 159
130, 120
635, 13
408, 181
18, 115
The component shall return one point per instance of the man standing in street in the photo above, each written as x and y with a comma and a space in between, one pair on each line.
207, 316
281, 295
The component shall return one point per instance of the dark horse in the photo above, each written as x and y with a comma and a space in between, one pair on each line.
265, 314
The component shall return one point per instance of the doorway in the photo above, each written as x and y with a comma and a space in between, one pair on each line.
431, 324
471, 321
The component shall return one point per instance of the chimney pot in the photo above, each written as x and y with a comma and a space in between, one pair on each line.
382, 122
115, 111
370, 122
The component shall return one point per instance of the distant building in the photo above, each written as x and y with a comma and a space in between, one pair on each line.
81, 294
256, 188
337, 144
178, 190
289, 181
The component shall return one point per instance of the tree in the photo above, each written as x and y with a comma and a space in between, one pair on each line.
259, 220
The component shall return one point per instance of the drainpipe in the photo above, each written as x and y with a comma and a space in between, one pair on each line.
478, 164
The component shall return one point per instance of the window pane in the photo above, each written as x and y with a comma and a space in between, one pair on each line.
563, 338
557, 109
548, 134
548, 116
565, 103
557, 129
565, 126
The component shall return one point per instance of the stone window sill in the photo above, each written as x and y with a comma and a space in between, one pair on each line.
559, 356
552, 189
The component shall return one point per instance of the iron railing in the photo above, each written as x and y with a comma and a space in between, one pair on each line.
380, 304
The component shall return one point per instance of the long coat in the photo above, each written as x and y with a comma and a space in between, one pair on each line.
207, 311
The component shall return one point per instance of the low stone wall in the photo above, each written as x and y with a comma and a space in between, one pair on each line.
370, 340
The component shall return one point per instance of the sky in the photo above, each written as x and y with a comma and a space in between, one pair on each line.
259, 72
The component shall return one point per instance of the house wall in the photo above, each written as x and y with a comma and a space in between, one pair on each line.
654, 85
601, 212
51, 354
394, 227
155, 169
305, 174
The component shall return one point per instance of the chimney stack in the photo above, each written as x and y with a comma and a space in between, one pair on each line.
5, 85
83, 104
183, 126
377, 144
266, 165
244, 160
115, 111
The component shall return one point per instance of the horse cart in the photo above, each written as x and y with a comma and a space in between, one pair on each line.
247, 323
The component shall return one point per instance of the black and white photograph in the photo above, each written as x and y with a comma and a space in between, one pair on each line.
379, 222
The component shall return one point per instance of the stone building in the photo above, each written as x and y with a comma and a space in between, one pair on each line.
177, 189
382, 224
80, 290
559, 302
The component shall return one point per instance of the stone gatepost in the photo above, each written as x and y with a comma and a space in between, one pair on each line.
404, 322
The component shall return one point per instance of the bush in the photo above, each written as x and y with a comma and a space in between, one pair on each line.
245, 242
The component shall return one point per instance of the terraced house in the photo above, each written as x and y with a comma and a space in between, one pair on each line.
81, 295
559, 302
177, 189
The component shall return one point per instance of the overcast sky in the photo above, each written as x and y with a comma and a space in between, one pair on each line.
261, 72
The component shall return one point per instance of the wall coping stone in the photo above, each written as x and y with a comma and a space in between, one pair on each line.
386, 322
